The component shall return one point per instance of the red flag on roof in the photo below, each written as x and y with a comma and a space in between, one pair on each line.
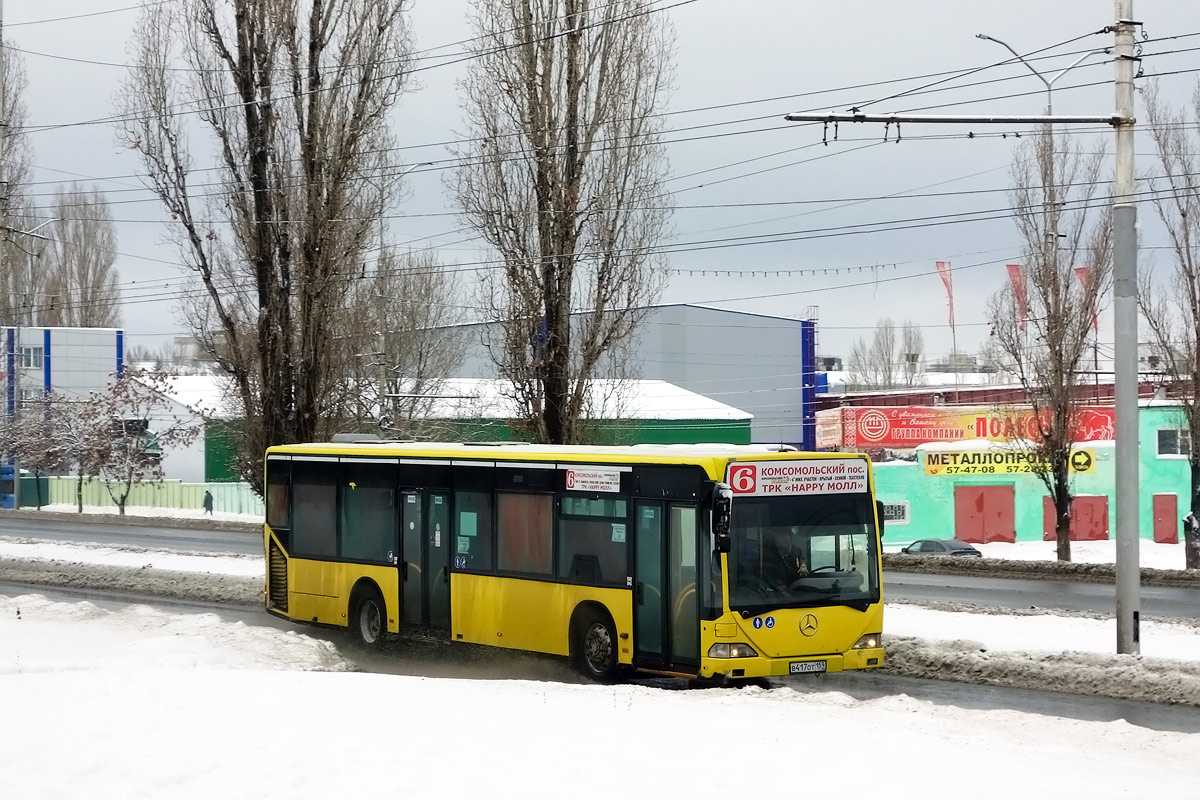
943, 268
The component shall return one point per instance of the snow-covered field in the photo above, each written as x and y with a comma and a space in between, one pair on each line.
145, 704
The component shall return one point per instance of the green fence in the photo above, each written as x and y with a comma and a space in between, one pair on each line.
233, 498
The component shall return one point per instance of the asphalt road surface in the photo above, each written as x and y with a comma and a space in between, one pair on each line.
197, 538
1005, 593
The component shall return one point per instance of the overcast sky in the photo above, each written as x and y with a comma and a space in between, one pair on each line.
730, 52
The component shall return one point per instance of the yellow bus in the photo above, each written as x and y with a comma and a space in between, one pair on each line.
704, 561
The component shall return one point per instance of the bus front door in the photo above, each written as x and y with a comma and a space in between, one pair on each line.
666, 613
425, 545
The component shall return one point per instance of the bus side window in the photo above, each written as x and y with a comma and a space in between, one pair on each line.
279, 494
314, 512
524, 532
473, 531
591, 540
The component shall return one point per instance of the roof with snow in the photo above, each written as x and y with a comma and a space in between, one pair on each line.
483, 398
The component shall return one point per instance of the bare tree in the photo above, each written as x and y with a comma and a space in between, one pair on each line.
292, 97
142, 424
22, 286
1063, 224
421, 346
563, 177
84, 433
32, 441
880, 365
80, 262
912, 354
1172, 310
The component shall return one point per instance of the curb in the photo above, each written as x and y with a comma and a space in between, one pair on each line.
188, 523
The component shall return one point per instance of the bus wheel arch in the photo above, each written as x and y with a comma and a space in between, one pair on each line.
593, 642
367, 615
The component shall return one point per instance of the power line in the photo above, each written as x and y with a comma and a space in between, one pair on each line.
86, 14
781, 237
181, 109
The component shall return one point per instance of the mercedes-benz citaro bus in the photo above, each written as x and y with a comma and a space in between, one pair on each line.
703, 561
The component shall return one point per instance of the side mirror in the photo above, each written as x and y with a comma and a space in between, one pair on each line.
722, 511
879, 517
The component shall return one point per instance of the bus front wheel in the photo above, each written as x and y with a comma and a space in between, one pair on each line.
369, 616
596, 646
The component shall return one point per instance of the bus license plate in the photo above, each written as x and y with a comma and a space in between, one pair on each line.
800, 667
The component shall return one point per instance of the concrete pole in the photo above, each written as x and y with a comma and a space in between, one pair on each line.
1126, 342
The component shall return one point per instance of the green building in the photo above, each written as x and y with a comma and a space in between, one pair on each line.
978, 491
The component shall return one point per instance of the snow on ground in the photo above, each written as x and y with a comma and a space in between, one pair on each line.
135, 557
1038, 633
139, 703
38, 635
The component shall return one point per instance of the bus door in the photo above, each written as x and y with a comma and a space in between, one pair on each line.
425, 547
666, 611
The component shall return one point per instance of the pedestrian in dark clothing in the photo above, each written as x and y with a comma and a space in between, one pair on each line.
208, 502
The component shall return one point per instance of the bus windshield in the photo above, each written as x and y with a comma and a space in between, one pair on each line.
802, 551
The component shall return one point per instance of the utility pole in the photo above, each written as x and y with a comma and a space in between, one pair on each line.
1125, 386
381, 313
1125, 378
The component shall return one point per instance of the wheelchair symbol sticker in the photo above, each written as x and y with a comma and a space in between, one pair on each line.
770, 622
460, 562
757, 623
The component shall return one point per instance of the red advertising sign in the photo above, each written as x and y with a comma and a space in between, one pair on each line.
903, 427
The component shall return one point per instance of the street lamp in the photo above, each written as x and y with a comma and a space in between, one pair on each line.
1049, 82
1050, 213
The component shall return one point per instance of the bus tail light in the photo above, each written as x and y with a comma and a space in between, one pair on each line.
735, 650
869, 642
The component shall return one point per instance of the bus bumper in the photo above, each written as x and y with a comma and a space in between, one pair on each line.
759, 667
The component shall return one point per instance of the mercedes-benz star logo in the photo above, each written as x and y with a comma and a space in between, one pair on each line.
808, 625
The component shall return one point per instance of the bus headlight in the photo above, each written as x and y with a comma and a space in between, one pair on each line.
727, 650
869, 642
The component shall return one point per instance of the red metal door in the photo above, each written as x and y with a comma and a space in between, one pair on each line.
1166, 518
1089, 518
984, 514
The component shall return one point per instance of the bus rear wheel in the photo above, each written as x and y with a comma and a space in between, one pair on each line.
368, 618
596, 646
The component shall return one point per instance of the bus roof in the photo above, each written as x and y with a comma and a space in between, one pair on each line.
520, 451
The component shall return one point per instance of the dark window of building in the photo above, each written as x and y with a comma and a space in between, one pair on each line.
1174, 442
591, 540
279, 493
314, 508
524, 533
368, 512
473, 531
